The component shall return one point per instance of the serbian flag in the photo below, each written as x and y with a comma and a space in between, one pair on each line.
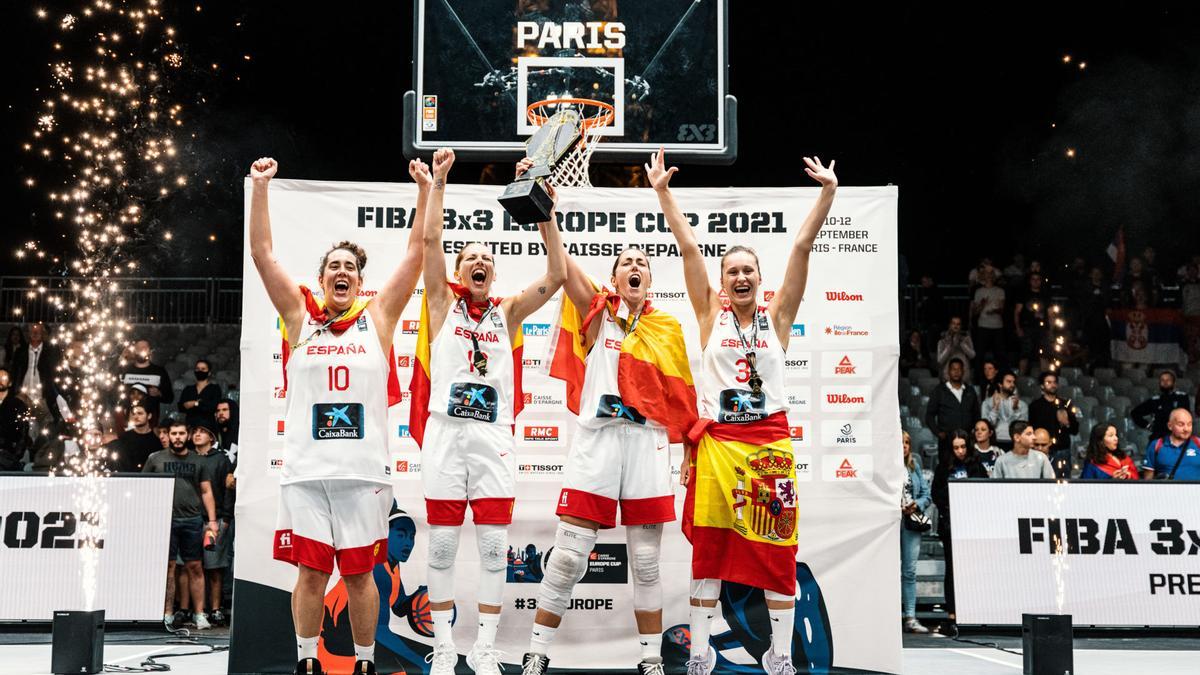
741, 508
418, 409
1152, 336
653, 374
316, 311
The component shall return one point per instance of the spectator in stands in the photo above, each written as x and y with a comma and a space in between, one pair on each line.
14, 345
1052, 414
987, 307
1105, 458
955, 343
975, 276
1093, 303
930, 309
1003, 408
1175, 456
1014, 274
163, 436
962, 462
985, 443
198, 402
1060, 460
227, 427
135, 445
145, 372
14, 426
138, 394
1031, 312
1189, 291
1154, 412
952, 405
1139, 277
989, 383
217, 559
33, 374
192, 504
914, 499
912, 353
1022, 462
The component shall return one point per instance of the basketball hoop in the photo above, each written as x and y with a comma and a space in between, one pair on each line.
572, 170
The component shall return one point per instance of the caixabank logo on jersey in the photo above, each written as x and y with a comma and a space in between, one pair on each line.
839, 468
845, 433
845, 365
547, 468
799, 399
332, 421
845, 399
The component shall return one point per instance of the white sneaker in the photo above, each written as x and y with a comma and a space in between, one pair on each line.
485, 660
702, 665
443, 660
777, 664
202, 622
911, 625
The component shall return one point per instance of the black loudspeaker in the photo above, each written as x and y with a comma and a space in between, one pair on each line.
78, 642
1047, 640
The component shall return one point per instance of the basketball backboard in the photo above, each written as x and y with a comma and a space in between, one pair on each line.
662, 64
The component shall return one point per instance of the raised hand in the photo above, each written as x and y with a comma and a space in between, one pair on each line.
263, 169
420, 173
553, 200
821, 173
523, 166
443, 159
657, 173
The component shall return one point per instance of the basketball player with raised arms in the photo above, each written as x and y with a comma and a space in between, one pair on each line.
740, 513
335, 486
629, 384
465, 399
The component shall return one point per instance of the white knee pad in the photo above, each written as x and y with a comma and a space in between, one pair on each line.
493, 562
778, 597
443, 549
705, 589
645, 544
566, 566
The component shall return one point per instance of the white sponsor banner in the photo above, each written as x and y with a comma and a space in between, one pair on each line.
43, 530
846, 433
848, 528
1128, 551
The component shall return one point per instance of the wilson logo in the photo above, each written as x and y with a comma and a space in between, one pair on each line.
842, 296
844, 367
844, 399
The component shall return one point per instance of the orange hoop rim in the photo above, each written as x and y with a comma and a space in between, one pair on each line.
601, 118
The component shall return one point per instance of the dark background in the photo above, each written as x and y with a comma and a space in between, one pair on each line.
955, 108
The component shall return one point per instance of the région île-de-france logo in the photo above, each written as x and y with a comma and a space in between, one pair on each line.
764, 499
846, 330
541, 433
843, 296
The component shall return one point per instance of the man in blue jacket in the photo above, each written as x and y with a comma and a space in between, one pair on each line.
1177, 455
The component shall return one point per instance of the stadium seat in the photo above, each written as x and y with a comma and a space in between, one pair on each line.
927, 384
1087, 405
1071, 373
1086, 383
1105, 374
1186, 386
916, 374
1122, 385
1120, 405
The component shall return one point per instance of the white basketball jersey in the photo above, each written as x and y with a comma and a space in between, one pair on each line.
600, 401
336, 424
457, 390
727, 396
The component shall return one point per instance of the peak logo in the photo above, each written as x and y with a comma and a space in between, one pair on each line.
843, 296
845, 433
847, 364
845, 399
541, 433
535, 329
847, 468
410, 326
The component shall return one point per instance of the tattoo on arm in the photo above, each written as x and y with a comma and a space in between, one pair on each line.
439, 184
542, 290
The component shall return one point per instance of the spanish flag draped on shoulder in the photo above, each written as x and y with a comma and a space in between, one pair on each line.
316, 311
419, 385
740, 513
653, 373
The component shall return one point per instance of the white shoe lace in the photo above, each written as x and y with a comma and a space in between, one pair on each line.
697, 665
442, 658
488, 659
653, 669
533, 667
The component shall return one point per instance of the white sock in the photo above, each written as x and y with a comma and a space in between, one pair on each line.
443, 632
539, 641
651, 646
700, 622
781, 630
306, 648
362, 653
488, 623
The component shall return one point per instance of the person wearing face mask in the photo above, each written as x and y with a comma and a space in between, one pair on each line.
1154, 412
465, 397
14, 426
198, 402
1105, 458
630, 386
743, 416
340, 377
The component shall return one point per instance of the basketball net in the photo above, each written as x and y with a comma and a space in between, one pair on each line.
572, 169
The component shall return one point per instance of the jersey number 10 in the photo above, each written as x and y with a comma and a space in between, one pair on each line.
339, 378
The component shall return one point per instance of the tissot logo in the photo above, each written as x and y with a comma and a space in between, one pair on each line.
843, 296
277, 357
666, 295
404, 361
529, 469
535, 329
803, 464
531, 363
410, 326
276, 463
541, 433
796, 364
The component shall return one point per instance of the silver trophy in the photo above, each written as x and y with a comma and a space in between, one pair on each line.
526, 198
